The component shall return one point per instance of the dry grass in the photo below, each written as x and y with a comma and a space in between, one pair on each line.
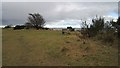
51, 48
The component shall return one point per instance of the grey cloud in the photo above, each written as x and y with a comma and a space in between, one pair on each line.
55, 11
0, 13
60, 0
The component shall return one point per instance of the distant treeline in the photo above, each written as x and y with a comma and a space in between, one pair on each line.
18, 27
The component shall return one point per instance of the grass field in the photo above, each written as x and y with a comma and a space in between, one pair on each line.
51, 48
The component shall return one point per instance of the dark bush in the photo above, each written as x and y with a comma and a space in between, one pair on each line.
8, 26
45, 28
28, 25
70, 29
18, 27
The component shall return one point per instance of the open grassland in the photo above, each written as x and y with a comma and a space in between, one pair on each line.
0, 47
51, 48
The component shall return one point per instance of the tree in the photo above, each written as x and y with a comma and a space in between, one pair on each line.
98, 25
118, 28
36, 20
107, 26
84, 24
116, 25
85, 29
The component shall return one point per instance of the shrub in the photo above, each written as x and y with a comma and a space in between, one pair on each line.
17, 27
8, 26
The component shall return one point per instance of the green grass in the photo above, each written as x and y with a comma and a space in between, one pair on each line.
51, 48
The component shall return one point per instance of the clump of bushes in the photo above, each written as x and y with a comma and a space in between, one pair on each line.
8, 26
19, 27
107, 32
70, 29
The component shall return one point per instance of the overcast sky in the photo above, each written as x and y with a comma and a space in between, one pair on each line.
60, 0
58, 14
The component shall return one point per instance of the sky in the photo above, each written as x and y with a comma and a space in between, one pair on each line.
58, 14
60, 0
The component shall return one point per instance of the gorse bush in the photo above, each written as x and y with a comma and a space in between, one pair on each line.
107, 32
97, 25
